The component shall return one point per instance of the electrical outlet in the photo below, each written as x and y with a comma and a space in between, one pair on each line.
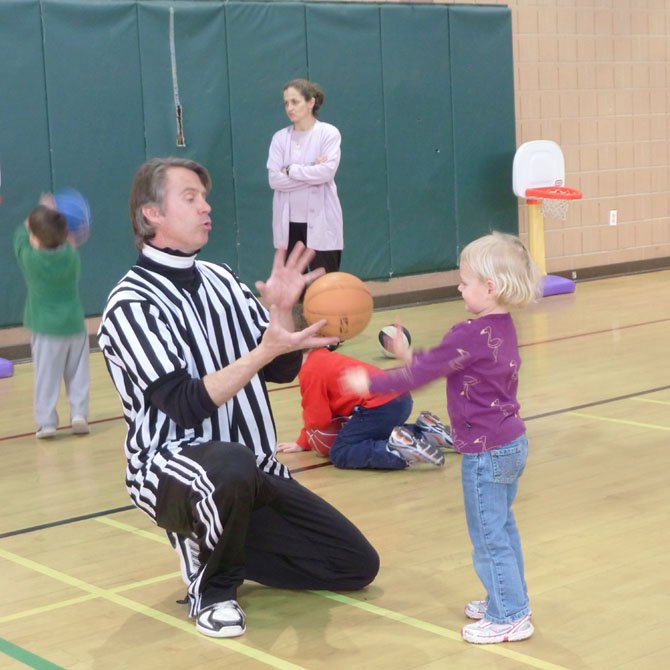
613, 217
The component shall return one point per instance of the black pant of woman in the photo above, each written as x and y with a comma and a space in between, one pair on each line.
328, 260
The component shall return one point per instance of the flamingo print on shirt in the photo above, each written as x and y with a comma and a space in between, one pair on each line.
507, 408
481, 440
515, 373
468, 382
458, 363
493, 343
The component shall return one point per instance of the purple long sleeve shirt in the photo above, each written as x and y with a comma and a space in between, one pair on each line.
480, 359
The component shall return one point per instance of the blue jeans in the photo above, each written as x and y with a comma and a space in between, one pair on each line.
490, 482
361, 442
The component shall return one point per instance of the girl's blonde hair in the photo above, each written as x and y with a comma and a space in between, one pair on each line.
504, 260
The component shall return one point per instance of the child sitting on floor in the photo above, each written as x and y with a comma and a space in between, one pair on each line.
376, 435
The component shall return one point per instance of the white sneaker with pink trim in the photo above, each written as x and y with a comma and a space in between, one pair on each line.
487, 632
475, 609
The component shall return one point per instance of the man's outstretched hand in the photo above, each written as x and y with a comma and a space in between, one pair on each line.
278, 340
288, 278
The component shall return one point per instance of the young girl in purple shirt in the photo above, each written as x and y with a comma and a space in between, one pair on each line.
480, 360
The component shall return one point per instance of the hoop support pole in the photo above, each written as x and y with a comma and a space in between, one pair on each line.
536, 235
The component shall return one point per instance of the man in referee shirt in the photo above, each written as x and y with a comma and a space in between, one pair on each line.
189, 349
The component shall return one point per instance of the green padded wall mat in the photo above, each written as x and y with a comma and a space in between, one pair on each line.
24, 139
355, 104
420, 162
482, 83
266, 49
199, 83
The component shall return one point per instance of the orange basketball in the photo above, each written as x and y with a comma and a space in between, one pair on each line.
343, 300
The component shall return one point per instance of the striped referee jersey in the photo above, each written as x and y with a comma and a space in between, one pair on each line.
153, 328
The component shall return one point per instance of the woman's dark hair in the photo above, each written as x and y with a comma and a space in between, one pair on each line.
309, 91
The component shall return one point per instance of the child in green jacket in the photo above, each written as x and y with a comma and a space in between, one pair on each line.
53, 313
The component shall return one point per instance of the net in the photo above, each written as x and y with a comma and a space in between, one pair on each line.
555, 208
555, 200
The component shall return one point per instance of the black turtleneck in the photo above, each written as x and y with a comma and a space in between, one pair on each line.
186, 278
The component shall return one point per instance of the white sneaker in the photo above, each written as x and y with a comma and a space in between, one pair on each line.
475, 609
224, 619
80, 426
487, 632
45, 432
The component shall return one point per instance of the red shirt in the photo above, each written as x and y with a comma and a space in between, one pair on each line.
323, 398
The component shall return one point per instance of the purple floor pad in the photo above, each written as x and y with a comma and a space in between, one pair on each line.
553, 285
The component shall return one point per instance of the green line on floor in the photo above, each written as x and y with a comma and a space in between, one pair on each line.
27, 658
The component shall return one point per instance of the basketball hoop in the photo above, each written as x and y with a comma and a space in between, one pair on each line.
555, 200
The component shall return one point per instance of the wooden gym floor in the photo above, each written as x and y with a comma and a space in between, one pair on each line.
88, 582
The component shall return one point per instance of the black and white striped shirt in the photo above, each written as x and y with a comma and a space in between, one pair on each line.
154, 328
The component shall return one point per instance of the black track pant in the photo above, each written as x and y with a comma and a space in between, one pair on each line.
251, 525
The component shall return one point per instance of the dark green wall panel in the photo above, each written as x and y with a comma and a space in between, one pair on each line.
201, 75
266, 49
355, 103
419, 149
482, 81
96, 133
24, 138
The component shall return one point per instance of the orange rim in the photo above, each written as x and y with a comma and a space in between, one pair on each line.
554, 193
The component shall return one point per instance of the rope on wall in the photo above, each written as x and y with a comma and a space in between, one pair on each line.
181, 141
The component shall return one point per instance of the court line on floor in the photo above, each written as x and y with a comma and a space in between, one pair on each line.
441, 631
65, 522
144, 610
596, 403
575, 336
161, 538
127, 508
296, 386
625, 422
112, 595
61, 428
61, 604
26, 657
658, 402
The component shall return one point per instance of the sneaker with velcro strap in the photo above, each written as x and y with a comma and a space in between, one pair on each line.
414, 449
434, 430
225, 619
488, 632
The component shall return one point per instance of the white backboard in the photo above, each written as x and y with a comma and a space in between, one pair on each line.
537, 163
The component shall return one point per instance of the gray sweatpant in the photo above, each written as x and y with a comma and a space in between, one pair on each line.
56, 358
